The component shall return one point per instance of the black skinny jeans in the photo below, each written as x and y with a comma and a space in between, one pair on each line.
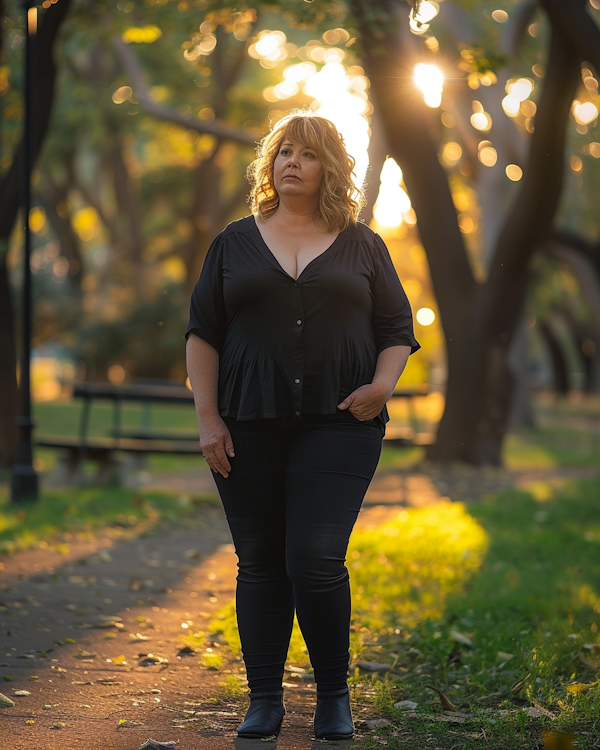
291, 501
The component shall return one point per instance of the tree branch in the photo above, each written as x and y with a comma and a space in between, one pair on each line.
219, 129
575, 22
44, 76
530, 219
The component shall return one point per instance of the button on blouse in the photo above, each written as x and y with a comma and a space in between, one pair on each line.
297, 346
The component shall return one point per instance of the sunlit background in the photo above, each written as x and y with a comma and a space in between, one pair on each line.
287, 68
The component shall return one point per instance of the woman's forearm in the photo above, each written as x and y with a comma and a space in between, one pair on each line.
202, 361
390, 365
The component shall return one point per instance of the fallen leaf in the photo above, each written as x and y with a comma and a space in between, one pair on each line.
406, 705
538, 710
455, 635
149, 659
139, 637
29, 721
5, 702
156, 745
59, 725
33, 677
503, 656
519, 685
444, 700
84, 655
373, 666
374, 723
191, 554
21, 693
554, 741
587, 662
108, 622
118, 659
579, 687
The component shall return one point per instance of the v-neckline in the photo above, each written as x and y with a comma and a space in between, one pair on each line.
270, 255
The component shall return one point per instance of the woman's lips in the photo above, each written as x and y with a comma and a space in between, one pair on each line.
291, 177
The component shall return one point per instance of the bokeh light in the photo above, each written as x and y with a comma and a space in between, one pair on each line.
514, 172
421, 14
584, 112
488, 156
425, 316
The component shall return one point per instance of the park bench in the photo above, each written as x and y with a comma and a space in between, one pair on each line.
145, 439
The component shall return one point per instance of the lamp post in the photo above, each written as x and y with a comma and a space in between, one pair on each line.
24, 479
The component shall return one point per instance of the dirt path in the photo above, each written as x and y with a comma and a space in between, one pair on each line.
94, 635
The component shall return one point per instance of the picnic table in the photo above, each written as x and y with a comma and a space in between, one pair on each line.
146, 439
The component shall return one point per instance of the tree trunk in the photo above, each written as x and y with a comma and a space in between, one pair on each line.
479, 319
560, 371
521, 413
51, 197
10, 199
128, 208
480, 404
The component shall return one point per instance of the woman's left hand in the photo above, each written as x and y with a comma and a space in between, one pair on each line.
367, 401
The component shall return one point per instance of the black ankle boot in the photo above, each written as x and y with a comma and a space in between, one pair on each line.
333, 717
264, 716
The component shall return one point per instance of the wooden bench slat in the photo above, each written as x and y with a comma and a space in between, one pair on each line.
123, 444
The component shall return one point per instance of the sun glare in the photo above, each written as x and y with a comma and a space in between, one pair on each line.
339, 94
392, 202
430, 79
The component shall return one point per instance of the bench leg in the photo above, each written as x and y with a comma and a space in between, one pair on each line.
133, 469
109, 470
67, 471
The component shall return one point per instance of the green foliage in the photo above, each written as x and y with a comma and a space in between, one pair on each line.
60, 516
547, 447
404, 571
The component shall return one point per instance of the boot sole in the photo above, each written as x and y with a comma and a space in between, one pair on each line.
258, 736
335, 736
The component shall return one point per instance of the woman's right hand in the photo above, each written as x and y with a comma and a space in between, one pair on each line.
216, 444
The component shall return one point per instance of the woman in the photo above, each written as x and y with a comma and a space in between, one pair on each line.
299, 330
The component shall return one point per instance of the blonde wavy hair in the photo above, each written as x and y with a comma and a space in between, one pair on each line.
340, 201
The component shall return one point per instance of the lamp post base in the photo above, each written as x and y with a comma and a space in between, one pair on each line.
23, 483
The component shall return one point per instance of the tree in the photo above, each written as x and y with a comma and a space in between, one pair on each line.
479, 318
44, 74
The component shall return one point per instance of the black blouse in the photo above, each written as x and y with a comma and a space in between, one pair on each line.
289, 346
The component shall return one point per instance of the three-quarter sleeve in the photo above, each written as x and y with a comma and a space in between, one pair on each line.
207, 306
392, 317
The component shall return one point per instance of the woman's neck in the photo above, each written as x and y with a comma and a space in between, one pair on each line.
296, 216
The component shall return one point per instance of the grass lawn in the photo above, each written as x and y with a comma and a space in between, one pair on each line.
61, 516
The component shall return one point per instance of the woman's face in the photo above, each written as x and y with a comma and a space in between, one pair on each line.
297, 170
